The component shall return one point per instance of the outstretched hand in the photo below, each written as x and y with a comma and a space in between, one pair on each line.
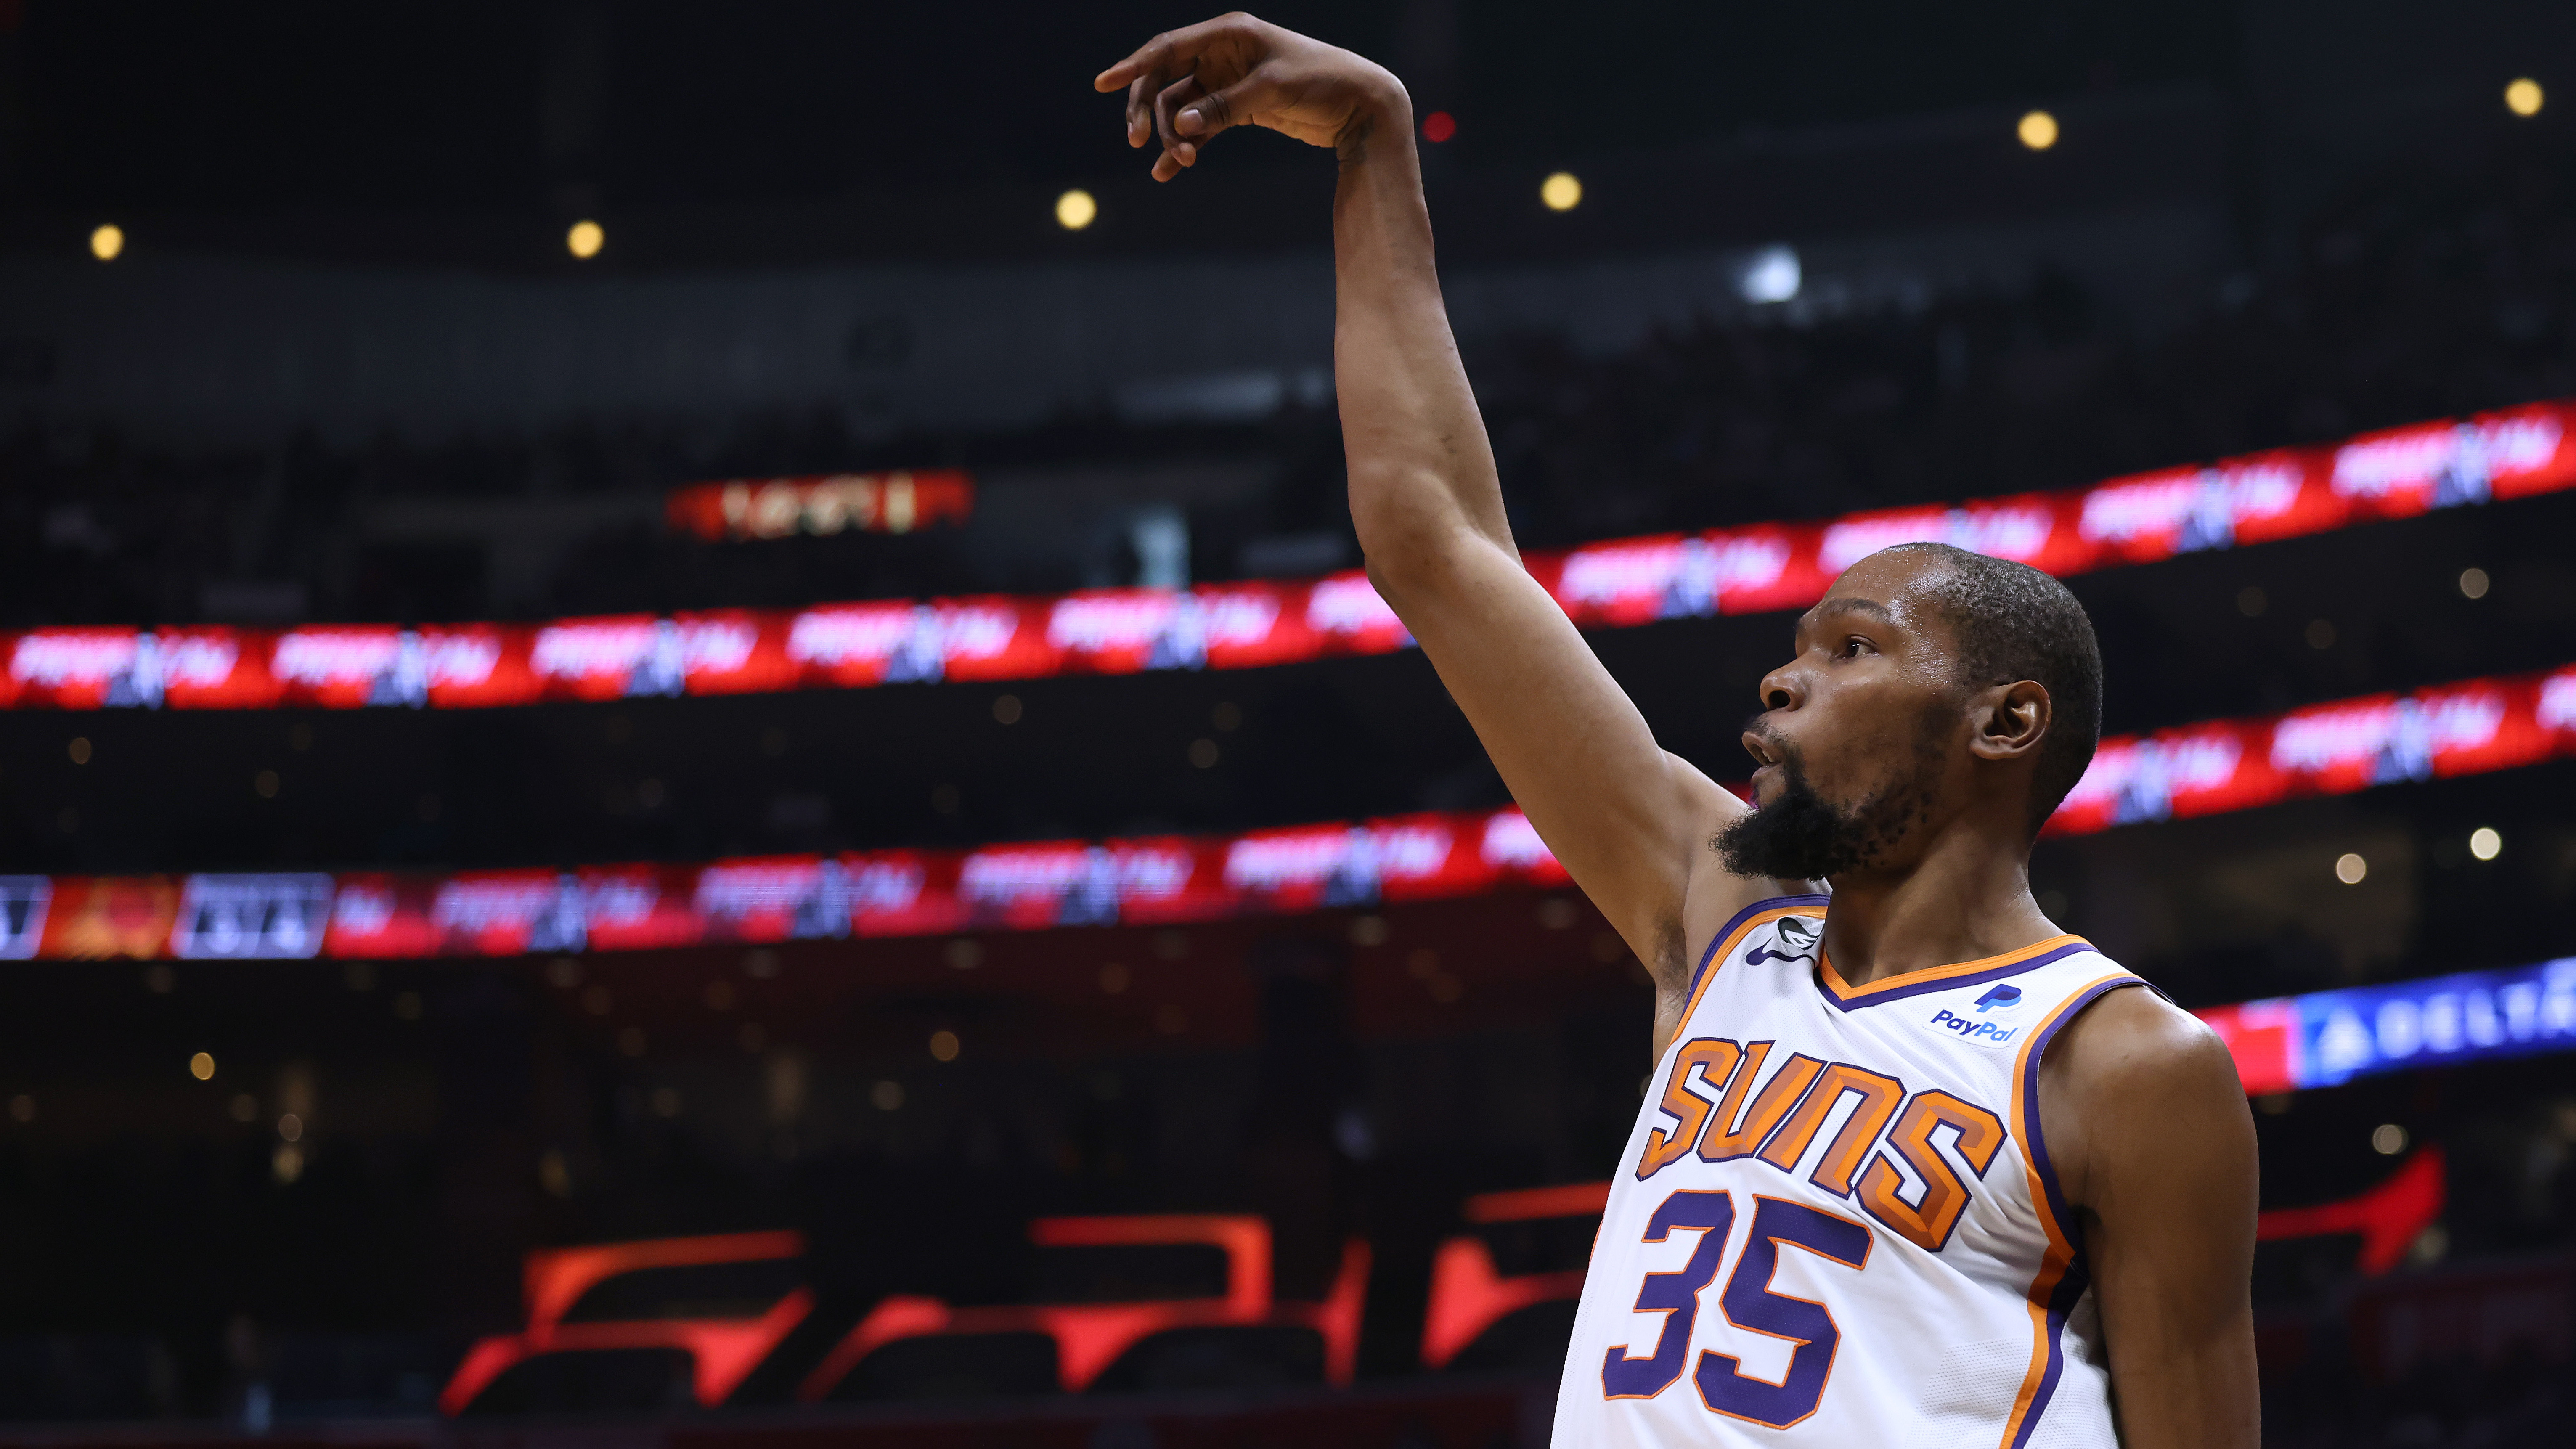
1185, 86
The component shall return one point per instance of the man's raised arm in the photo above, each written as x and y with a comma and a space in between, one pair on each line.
1629, 821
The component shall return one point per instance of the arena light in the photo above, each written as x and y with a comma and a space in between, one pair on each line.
584, 239
2486, 842
201, 1066
1076, 209
2350, 868
1772, 276
2474, 583
2038, 130
1560, 191
2524, 96
107, 242
1439, 126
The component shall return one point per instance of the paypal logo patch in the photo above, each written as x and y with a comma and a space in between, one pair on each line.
1977, 1030
1998, 995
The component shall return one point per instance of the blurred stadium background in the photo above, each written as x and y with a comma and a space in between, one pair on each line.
689, 756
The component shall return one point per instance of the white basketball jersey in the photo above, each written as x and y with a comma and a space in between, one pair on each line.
1835, 1222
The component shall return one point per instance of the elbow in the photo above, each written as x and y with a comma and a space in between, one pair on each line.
1401, 539
1402, 563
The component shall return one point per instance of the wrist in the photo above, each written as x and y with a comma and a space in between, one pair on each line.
1385, 110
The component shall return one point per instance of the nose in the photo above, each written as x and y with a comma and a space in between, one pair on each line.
1783, 688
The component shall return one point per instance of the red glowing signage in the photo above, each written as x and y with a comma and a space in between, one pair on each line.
824, 504
2521, 452
722, 1351
1467, 1295
2467, 728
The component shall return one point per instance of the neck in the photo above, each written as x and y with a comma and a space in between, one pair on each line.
1966, 897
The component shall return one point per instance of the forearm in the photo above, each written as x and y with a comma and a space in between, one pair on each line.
1422, 475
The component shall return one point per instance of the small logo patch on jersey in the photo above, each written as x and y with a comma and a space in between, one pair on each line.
1998, 995
1971, 1029
1795, 940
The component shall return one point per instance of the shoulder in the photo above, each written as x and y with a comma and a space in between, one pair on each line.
2130, 1076
2132, 1039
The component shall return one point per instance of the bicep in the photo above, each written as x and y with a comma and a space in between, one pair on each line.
1627, 820
2167, 1194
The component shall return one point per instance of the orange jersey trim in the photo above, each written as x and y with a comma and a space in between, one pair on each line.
1917, 980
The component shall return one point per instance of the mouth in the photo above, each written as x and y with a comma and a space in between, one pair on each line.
1768, 773
1764, 753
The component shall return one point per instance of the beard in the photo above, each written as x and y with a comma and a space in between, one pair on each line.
1803, 836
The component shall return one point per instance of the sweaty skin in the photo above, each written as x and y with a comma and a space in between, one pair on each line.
2146, 1120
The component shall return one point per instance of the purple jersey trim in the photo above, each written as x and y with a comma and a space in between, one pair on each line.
1947, 983
1738, 919
2060, 1304
2078, 1275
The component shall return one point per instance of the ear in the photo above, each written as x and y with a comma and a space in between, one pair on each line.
2010, 720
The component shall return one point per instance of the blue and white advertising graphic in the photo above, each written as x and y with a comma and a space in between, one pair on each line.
251, 917
23, 899
2435, 1022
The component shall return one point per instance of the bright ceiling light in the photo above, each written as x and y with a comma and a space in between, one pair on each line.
2038, 130
585, 239
2350, 868
1560, 191
2486, 843
2524, 96
1772, 276
1075, 209
107, 241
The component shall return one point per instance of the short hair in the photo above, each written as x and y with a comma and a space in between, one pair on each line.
2013, 623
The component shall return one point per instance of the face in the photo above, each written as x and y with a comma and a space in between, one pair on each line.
1864, 737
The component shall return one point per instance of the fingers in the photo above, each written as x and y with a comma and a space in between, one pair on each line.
1167, 102
1155, 94
1153, 55
1170, 51
1140, 108
1233, 105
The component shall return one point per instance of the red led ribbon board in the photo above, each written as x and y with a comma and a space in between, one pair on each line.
822, 504
2468, 728
2519, 453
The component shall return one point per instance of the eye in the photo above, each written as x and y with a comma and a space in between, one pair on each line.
1854, 647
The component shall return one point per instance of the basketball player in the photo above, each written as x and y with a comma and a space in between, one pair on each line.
1915, 1167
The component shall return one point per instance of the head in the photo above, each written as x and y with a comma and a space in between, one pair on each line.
1933, 689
